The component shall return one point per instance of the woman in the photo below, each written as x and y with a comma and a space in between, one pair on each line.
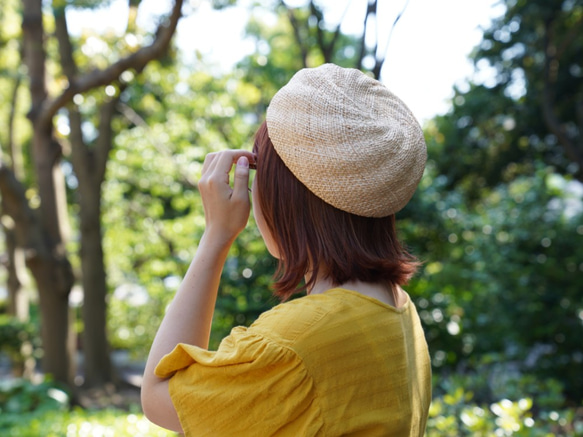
337, 157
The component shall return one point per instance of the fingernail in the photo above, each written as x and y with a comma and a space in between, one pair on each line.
243, 162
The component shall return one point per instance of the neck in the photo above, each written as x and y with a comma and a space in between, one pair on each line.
393, 295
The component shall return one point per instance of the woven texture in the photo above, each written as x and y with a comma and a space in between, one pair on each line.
348, 139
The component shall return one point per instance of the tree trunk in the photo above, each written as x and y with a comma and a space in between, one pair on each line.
98, 369
53, 273
18, 299
49, 264
57, 336
18, 304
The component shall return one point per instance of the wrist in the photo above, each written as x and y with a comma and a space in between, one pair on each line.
216, 240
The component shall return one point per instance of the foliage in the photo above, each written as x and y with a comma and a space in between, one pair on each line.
456, 414
245, 285
15, 103
44, 409
524, 405
497, 219
494, 254
79, 422
502, 277
18, 339
20, 397
278, 55
153, 215
523, 106
81, 3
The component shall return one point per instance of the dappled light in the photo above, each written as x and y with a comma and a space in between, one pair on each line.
103, 134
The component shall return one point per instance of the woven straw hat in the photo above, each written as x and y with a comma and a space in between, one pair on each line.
348, 139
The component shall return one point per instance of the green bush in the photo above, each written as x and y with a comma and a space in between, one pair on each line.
79, 422
20, 398
43, 410
456, 415
455, 412
14, 334
501, 279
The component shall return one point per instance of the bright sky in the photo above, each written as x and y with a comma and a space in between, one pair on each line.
426, 56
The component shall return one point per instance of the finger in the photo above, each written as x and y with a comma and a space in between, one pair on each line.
253, 162
216, 170
223, 163
241, 180
208, 162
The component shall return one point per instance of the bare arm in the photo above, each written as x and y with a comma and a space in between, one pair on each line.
188, 319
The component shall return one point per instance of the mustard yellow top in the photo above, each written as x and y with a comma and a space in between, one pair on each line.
337, 363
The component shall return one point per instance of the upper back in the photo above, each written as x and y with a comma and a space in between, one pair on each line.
368, 360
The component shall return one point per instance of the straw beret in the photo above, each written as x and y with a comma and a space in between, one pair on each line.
348, 139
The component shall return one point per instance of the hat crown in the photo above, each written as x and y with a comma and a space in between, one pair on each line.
348, 139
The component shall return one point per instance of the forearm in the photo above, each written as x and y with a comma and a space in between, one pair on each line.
189, 316
187, 320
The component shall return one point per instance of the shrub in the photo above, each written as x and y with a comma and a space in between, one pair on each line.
32, 410
455, 413
20, 398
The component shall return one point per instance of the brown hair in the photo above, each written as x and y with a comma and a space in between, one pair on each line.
311, 234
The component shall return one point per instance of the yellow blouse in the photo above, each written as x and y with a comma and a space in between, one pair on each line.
331, 364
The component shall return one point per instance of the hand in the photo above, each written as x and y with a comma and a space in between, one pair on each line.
226, 208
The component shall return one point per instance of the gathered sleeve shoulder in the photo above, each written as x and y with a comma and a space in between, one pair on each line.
250, 386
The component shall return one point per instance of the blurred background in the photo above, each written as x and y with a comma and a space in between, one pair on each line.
108, 108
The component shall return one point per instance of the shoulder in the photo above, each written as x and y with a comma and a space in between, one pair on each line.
289, 321
321, 317
335, 313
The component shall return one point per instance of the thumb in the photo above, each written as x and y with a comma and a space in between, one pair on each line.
241, 180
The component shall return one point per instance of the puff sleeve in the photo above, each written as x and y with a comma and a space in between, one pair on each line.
250, 386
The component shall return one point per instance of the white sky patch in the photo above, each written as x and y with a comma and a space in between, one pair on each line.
426, 55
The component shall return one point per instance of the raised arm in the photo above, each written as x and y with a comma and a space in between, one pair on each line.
188, 319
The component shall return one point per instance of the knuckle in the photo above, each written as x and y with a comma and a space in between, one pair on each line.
210, 183
203, 182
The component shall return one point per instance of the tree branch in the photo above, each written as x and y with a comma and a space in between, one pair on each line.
315, 12
136, 61
14, 150
380, 59
26, 225
105, 136
297, 33
65, 47
34, 53
79, 153
370, 10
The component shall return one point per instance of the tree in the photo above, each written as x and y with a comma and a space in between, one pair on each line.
89, 159
12, 154
43, 232
499, 215
529, 109
303, 37
318, 44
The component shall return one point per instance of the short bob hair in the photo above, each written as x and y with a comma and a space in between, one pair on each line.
311, 235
